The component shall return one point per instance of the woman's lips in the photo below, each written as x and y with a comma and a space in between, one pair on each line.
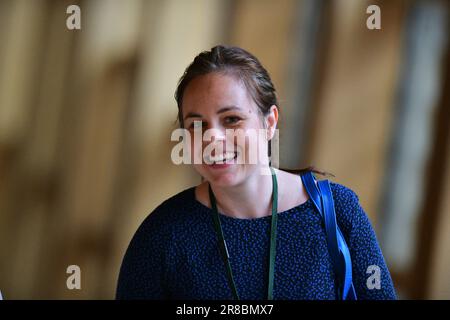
222, 157
219, 166
225, 163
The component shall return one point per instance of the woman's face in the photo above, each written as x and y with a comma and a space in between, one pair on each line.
221, 105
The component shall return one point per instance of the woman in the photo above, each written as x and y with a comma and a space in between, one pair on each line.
213, 241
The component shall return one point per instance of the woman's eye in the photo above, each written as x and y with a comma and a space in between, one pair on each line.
232, 120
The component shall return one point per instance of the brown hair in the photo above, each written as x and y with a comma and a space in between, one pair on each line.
247, 68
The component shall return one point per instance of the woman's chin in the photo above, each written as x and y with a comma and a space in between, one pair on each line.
222, 175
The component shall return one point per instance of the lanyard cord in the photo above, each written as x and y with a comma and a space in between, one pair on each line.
273, 238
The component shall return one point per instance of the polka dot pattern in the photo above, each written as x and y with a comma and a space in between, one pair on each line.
174, 254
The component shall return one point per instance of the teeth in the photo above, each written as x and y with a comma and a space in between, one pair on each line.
222, 157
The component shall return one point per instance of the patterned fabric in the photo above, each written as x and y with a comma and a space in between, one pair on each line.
174, 254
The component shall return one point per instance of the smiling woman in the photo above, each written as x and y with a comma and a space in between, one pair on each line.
242, 233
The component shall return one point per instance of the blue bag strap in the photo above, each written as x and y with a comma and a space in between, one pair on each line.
343, 263
348, 289
330, 227
322, 198
312, 190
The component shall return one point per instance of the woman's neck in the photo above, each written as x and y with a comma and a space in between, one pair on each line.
248, 200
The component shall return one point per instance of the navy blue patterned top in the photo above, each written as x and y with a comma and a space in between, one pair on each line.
175, 253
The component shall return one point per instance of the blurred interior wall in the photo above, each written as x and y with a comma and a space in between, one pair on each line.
86, 117
439, 286
411, 195
353, 90
85, 127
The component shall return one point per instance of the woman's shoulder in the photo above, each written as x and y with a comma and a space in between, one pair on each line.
343, 195
349, 212
177, 200
174, 210
174, 206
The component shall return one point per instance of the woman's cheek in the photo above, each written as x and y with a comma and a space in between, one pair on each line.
254, 146
263, 147
196, 151
241, 146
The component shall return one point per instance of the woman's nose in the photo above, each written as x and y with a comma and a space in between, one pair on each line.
214, 134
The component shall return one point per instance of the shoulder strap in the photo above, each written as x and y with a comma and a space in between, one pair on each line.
322, 198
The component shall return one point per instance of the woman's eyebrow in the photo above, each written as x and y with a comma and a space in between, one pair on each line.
228, 108
192, 115
222, 110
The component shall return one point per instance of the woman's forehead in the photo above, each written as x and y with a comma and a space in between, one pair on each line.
215, 91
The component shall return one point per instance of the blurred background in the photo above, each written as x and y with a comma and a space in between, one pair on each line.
86, 117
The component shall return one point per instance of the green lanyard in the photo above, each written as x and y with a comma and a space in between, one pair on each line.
273, 239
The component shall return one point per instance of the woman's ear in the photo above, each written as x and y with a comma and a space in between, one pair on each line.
271, 121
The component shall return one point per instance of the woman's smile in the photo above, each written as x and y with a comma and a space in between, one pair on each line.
222, 158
